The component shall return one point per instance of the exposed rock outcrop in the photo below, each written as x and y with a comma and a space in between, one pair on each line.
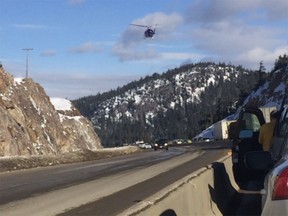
31, 125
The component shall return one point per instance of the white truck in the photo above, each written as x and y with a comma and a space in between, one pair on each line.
266, 112
221, 129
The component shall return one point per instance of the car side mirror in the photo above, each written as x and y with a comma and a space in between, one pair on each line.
259, 160
245, 134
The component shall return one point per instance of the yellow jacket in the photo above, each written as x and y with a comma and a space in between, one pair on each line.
266, 134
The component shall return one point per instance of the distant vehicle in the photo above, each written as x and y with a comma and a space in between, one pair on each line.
188, 141
177, 141
149, 33
139, 142
148, 146
203, 139
181, 141
266, 112
145, 146
161, 144
221, 129
269, 170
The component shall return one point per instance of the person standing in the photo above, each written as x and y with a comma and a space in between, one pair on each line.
267, 130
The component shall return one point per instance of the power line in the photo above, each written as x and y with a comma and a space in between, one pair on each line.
27, 56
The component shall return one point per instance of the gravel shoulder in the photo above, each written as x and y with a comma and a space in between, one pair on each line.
28, 162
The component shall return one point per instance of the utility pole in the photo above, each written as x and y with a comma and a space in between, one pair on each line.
27, 56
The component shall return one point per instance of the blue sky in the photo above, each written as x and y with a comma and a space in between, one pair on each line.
82, 47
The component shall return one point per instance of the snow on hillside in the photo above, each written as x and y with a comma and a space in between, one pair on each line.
191, 97
181, 88
270, 94
176, 95
18, 80
61, 104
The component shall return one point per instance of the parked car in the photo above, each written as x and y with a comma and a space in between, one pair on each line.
187, 141
145, 146
161, 144
177, 141
245, 139
272, 168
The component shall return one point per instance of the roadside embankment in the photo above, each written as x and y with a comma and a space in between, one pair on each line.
28, 162
208, 191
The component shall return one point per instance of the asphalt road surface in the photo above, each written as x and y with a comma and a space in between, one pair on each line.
102, 187
22, 184
118, 202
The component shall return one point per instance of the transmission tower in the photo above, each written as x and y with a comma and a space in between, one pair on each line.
27, 59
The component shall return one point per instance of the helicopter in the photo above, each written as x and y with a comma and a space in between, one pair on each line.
149, 33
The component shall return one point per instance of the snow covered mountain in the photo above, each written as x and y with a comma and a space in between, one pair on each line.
175, 104
270, 94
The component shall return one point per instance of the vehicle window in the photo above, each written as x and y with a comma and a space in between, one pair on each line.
251, 122
161, 141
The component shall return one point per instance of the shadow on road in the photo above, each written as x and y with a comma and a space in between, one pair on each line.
168, 212
229, 200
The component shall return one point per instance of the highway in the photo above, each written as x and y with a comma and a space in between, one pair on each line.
101, 187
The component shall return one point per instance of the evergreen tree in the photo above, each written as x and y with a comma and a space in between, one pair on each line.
184, 119
281, 62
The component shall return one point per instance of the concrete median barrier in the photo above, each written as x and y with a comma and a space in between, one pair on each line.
207, 191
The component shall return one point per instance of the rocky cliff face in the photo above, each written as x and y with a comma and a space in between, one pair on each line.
31, 125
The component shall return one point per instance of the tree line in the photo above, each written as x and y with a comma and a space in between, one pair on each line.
184, 120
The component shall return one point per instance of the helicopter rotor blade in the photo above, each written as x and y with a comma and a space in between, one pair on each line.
140, 25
